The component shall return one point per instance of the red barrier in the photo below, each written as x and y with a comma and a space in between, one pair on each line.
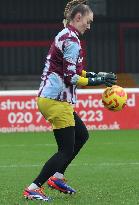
19, 113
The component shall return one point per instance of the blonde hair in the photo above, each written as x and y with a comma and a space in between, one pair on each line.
73, 7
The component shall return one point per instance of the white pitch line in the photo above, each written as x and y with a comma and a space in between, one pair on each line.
29, 145
54, 144
107, 164
20, 166
104, 164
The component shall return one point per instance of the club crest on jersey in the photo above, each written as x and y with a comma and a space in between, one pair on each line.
80, 59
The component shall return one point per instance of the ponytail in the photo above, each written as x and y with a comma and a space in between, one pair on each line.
72, 8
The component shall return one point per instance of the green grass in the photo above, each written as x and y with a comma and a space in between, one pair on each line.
106, 172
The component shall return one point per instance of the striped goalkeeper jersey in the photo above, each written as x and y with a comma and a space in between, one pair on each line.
63, 67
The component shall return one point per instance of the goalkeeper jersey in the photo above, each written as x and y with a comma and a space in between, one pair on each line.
63, 67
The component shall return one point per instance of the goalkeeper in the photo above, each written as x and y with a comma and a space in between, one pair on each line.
62, 73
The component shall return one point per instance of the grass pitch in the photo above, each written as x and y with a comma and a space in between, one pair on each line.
106, 171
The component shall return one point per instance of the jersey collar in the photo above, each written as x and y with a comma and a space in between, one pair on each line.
72, 28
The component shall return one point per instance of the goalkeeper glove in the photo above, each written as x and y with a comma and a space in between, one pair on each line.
107, 79
100, 74
103, 74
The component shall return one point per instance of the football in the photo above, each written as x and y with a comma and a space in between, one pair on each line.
114, 98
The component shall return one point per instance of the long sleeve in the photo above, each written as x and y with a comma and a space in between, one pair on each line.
72, 63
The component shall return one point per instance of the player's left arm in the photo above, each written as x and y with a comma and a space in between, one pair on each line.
70, 58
